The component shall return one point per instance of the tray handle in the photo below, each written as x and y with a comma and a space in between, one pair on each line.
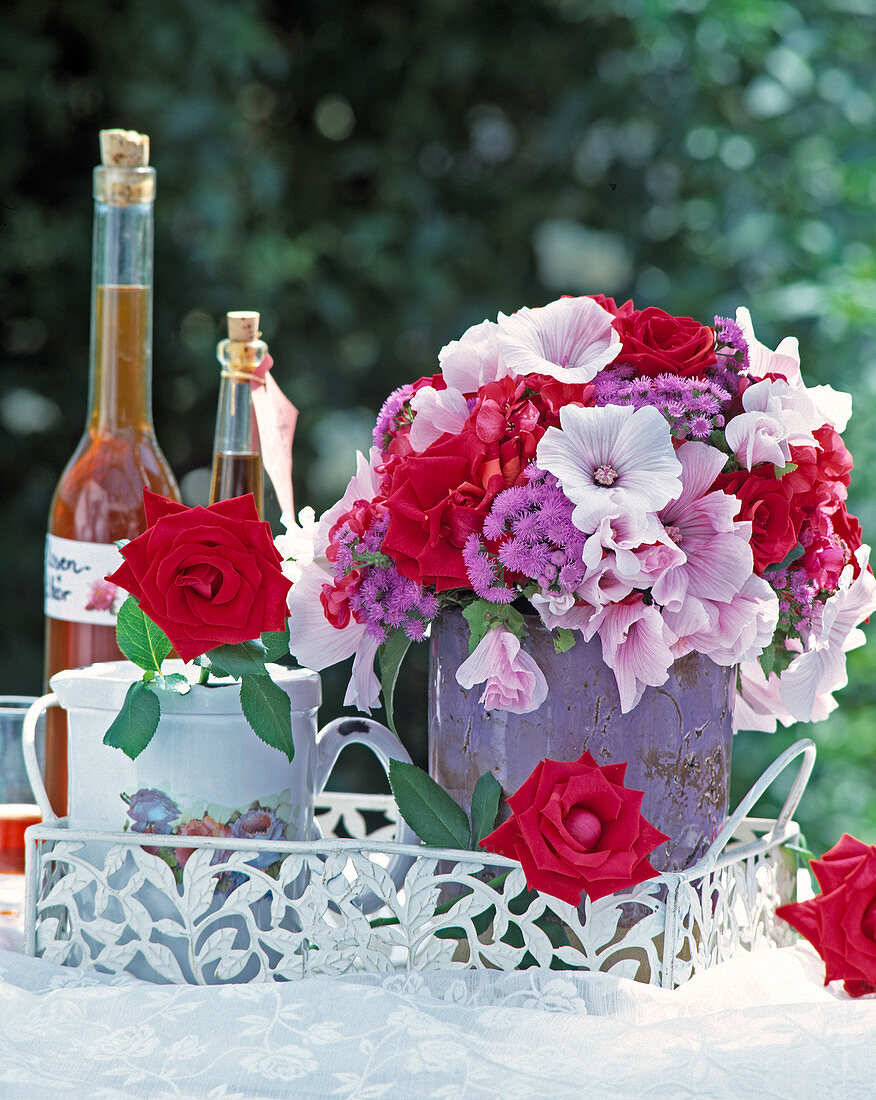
805, 747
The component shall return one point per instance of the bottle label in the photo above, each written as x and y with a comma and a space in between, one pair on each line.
75, 587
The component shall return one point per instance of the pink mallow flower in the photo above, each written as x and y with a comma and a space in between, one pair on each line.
570, 340
727, 631
635, 645
514, 682
829, 406
474, 359
821, 667
466, 364
717, 552
437, 412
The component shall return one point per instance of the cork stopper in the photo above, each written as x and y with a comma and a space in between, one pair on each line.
124, 178
243, 326
124, 149
243, 351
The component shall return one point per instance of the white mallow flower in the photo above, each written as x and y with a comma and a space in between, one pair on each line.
295, 547
829, 406
571, 339
821, 667
776, 415
611, 460
474, 359
561, 609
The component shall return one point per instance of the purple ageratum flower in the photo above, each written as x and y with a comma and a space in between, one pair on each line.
797, 597
152, 811
693, 407
538, 539
731, 345
392, 413
482, 573
382, 598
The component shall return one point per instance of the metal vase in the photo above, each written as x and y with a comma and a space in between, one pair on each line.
676, 742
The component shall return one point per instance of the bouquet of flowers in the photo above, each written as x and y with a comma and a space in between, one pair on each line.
665, 485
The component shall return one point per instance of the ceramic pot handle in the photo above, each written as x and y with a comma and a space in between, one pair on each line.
330, 742
28, 744
334, 738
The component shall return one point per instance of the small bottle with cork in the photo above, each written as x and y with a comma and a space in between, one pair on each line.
237, 458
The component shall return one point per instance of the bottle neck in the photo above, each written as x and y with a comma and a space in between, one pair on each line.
237, 459
121, 318
236, 429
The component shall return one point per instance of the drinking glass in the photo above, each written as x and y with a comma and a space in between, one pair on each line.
17, 806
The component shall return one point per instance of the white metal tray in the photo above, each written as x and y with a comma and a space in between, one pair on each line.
110, 902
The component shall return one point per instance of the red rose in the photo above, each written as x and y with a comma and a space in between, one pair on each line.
576, 827
437, 498
841, 922
206, 576
658, 343
435, 501
771, 506
610, 305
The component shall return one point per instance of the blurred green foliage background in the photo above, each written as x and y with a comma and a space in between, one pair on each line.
376, 175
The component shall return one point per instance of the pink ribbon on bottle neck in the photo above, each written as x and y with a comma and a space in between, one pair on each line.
276, 418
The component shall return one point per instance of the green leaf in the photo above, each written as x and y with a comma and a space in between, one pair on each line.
767, 660
242, 659
482, 616
139, 638
475, 615
175, 682
276, 643
429, 810
564, 639
268, 709
484, 807
137, 721
392, 653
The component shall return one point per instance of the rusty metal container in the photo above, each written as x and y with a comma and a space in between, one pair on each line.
676, 742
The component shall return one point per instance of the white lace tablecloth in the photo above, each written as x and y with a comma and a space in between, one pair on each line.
761, 1026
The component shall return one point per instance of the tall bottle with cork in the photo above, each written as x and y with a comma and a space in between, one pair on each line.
99, 498
237, 457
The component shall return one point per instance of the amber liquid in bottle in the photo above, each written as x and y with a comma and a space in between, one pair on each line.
237, 458
99, 498
237, 474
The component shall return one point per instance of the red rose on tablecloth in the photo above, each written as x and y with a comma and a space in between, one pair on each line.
841, 922
774, 511
658, 343
206, 576
574, 827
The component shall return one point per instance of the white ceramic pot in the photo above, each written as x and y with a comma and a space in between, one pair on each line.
205, 767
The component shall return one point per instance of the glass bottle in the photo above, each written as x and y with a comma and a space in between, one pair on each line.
99, 497
237, 457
